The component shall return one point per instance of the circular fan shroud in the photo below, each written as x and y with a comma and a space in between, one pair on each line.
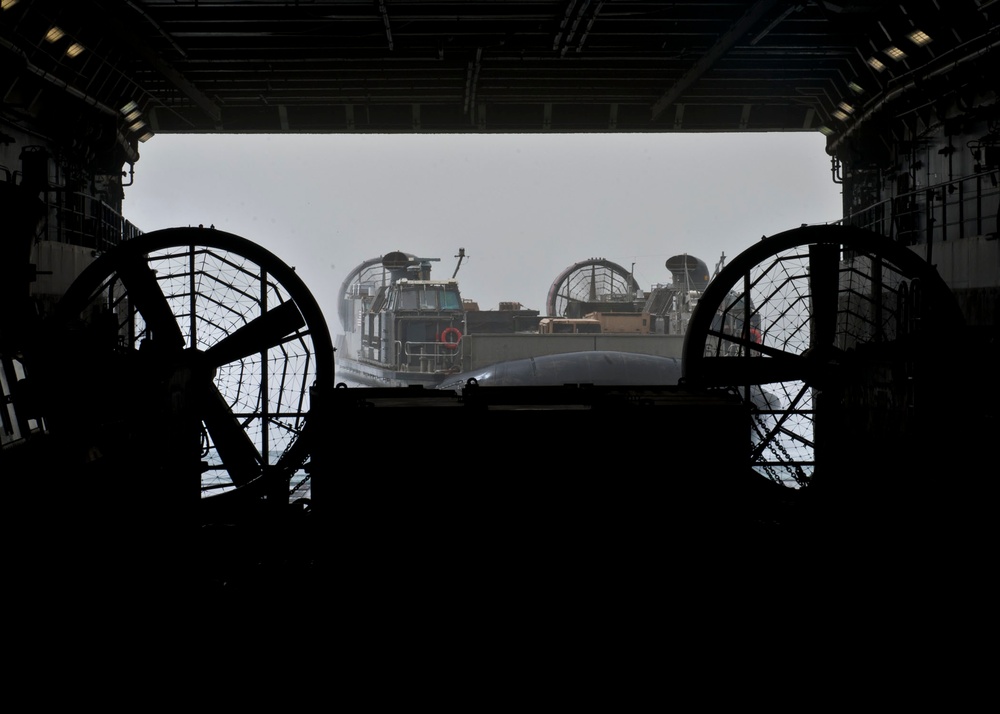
370, 273
841, 312
215, 348
593, 280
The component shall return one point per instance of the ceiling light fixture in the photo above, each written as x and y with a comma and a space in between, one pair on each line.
7, 4
840, 115
74, 49
856, 88
54, 34
894, 52
876, 64
919, 38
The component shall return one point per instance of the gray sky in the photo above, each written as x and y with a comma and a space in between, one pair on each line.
524, 207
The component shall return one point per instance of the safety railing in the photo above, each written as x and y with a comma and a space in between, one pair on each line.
84, 220
429, 357
949, 210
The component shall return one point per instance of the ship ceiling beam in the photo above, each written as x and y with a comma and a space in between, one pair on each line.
165, 68
54, 81
385, 21
228, 65
570, 26
708, 60
952, 60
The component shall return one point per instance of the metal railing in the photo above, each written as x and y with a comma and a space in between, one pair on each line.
949, 210
428, 357
81, 219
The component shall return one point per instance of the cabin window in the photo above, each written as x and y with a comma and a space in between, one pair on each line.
428, 299
408, 300
440, 299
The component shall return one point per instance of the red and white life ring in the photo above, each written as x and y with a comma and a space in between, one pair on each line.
451, 336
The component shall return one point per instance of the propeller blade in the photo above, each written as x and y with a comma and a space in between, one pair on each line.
238, 453
258, 335
824, 275
145, 295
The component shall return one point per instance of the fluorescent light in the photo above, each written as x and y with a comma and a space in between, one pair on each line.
7, 4
74, 49
846, 107
919, 38
894, 52
876, 64
840, 115
825, 130
137, 126
133, 115
856, 88
130, 107
54, 34
146, 137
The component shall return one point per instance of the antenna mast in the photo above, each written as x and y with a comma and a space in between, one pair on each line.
460, 256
